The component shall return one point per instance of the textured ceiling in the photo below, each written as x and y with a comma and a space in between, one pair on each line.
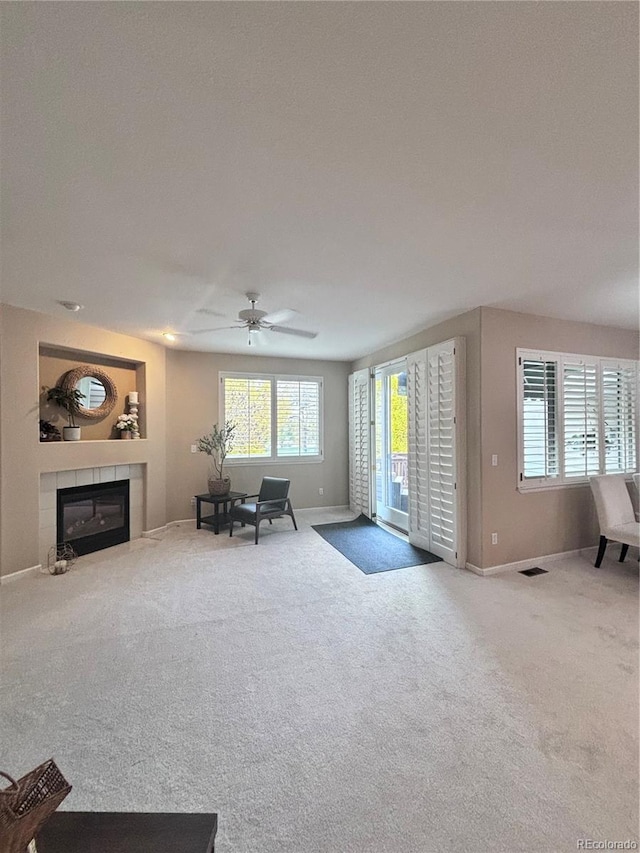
375, 166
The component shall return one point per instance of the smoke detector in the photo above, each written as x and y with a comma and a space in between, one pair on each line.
71, 306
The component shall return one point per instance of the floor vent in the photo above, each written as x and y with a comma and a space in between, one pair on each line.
536, 570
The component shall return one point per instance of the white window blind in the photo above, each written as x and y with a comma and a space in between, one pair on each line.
298, 417
418, 462
276, 417
441, 448
539, 418
248, 405
435, 390
581, 419
577, 418
619, 407
360, 442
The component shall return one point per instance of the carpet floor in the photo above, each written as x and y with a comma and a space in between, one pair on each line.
371, 548
321, 710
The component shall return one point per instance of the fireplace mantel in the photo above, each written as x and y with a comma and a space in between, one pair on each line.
67, 455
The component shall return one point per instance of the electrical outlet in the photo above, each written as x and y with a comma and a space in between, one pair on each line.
321, 491
494, 538
193, 501
194, 448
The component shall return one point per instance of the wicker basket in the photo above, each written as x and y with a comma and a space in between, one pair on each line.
26, 804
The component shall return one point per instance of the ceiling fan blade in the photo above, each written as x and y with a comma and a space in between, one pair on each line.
217, 329
300, 333
279, 316
210, 312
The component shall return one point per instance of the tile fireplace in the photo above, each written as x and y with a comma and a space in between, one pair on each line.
53, 482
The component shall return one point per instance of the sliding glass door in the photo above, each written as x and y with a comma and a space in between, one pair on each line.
391, 444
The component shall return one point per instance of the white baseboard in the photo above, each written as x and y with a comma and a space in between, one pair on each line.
21, 573
527, 564
149, 534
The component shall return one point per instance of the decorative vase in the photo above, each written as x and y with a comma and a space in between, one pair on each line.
219, 486
125, 433
70, 433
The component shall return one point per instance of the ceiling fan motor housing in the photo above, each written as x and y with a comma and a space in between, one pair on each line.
252, 315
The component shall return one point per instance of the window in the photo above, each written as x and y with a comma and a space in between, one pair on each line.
277, 417
578, 417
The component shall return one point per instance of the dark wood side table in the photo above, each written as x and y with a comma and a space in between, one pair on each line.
127, 832
219, 518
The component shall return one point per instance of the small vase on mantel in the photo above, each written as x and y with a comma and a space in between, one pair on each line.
125, 433
71, 433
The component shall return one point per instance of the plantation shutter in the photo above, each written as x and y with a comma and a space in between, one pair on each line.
359, 443
435, 389
247, 402
418, 469
539, 448
619, 404
442, 451
581, 418
298, 417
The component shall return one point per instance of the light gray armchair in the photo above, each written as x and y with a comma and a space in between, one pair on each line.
615, 514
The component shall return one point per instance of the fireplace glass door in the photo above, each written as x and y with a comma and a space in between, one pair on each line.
94, 517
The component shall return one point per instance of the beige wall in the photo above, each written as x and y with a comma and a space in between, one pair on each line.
23, 457
192, 395
533, 524
467, 326
540, 523
528, 525
53, 366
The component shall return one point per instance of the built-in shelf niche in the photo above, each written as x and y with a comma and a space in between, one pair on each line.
127, 375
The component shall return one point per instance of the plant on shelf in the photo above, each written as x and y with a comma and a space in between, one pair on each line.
48, 432
127, 425
217, 445
68, 399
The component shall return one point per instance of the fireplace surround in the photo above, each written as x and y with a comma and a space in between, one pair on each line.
50, 482
93, 516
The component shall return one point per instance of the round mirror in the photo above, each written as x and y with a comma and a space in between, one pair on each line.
100, 393
94, 392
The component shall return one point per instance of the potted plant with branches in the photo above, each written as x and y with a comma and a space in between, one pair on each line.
217, 445
68, 399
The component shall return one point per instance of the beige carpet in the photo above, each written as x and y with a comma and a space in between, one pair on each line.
316, 708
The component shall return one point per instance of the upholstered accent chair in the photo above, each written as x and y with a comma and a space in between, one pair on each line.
273, 502
615, 514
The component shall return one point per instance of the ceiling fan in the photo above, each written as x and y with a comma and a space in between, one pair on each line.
253, 320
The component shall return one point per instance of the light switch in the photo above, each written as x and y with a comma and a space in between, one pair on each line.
494, 460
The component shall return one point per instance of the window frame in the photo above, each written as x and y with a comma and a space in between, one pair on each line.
562, 481
274, 378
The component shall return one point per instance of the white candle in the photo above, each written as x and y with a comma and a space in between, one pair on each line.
133, 397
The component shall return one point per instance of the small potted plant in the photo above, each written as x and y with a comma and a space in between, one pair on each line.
48, 432
126, 425
68, 399
217, 445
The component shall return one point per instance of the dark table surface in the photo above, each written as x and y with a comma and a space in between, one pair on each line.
127, 832
218, 499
